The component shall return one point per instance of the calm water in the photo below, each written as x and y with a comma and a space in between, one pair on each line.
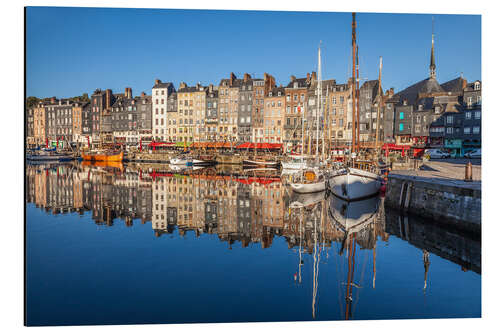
128, 245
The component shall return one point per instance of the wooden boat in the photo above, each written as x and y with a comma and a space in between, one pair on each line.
103, 164
354, 184
103, 156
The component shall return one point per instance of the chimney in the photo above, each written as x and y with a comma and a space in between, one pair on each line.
313, 76
182, 85
108, 98
198, 86
157, 81
232, 77
308, 77
391, 92
464, 83
53, 100
211, 87
292, 78
143, 94
246, 77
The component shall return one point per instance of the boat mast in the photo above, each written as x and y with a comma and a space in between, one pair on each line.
318, 108
378, 106
353, 144
357, 99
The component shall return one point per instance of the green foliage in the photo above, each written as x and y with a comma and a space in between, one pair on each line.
32, 101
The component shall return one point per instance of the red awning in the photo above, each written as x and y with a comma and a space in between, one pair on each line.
161, 144
264, 145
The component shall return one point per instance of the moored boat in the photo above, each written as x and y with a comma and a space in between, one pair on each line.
354, 184
48, 155
309, 180
103, 156
262, 163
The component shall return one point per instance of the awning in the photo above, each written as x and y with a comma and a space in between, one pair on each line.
161, 144
264, 145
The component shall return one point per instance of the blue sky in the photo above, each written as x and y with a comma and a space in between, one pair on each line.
75, 50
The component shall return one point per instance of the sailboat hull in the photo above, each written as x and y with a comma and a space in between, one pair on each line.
354, 184
293, 165
309, 188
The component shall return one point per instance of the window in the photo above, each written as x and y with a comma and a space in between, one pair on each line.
449, 119
477, 114
449, 130
401, 127
466, 130
468, 115
475, 130
401, 115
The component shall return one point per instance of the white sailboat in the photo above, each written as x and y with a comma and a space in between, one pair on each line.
312, 179
350, 183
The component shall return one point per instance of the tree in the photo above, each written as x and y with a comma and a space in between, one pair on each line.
32, 101
85, 97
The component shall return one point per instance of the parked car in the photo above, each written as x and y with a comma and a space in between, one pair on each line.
436, 153
476, 153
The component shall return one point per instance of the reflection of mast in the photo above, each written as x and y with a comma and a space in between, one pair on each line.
315, 268
374, 255
426, 267
350, 276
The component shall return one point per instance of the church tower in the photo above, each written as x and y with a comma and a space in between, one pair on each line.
432, 67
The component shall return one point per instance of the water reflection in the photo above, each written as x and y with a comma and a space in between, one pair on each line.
249, 208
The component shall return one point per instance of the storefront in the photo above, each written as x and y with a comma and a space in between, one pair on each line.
454, 146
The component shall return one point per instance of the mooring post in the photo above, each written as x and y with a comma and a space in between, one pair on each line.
468, 172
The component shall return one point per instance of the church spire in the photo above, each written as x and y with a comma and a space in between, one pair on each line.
432, 67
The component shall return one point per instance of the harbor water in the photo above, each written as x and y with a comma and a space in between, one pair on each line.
130, 244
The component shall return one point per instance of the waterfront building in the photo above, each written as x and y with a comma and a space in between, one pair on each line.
295, 103
39, 123
471, 112
199, 112
211, 116
81, 112
101, 102
245, 109
261, 88
186, 101
172, 115
313, 109
228, 109
368, 107
144, 117
30, 129
124, 119
59, 122
339, 106
160, 93
274, 115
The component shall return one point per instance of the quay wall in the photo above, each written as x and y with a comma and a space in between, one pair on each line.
451, 202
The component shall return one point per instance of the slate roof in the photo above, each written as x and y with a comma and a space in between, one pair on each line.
301, 81
426, 86
163, 85
455, 85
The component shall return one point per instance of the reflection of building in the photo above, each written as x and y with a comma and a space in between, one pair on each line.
251, 209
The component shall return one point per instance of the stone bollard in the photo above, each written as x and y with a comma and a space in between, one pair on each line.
468, 172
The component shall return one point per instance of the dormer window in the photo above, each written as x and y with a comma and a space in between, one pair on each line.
420, 107
295, 85
270, 94
477, 86
279, 93
437, 109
